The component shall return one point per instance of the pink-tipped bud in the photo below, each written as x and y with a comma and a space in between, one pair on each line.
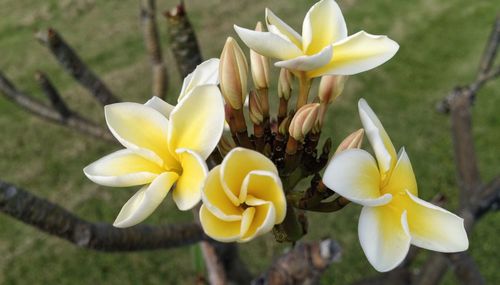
255, 108
330, 87
304, 121
259, 65
233, 72
353, 140
285, 84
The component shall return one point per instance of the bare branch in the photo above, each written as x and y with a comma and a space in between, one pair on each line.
151, 39
75, 66
183, 42
491, 48
304, 264
57, 221
34, 106
51, 92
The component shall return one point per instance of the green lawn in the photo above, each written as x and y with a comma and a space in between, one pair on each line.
441, 43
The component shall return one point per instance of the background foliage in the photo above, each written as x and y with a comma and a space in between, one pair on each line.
441, 43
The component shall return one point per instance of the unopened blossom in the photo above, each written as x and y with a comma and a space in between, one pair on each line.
393, 216
233, 73
242, 198
323, 48
163, 147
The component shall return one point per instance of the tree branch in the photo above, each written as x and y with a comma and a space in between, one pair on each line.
75, 66
33, 106
56, 221
151, 39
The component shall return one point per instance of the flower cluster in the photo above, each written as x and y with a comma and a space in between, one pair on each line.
251, 190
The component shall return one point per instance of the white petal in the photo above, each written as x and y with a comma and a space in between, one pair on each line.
384, 237
187, 192
378, 137
159, 105
354, 175
145, 201
307, 62
402, 177
323, 25
357, 53
123, 168
434, 228
206, 73
268, 44
277, 26
197, 121
137, 126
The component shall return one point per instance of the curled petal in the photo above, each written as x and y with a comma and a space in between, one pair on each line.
237, 164
187, 192
137, 126
159, 105
247, 219
354, 175
434, 228
268, 44
215, 198
264, 186
220, 230
277, 26
206, 73
123, 168
323, 25
357, 53
384, 237
263, 221
197, 122
308, 62
402, 177
378, 137
145, 201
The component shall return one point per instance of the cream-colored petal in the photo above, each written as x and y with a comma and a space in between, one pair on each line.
263, 221
323, 25
123, 168
277, 26
159, 105
434, 228
357, 53
137, 126
378, 137
268, 44
246, 220
384, 237
402, 177
145, 201
216, 200
354, 175
187, 192
265, 186
218, 229
307, 62
206, 73
236, 166
197, 121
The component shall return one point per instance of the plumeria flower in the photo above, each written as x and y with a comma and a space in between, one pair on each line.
163, 146
242, 198
324, 47
393, 217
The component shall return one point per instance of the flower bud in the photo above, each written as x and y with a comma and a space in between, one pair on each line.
285, 84
226, 143
285, 124
255, 108
304, 121
353, 140
330, 87
259, 66
233, 72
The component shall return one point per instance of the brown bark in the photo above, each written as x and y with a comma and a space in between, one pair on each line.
152, 41
52, 94
72, 63
56, 221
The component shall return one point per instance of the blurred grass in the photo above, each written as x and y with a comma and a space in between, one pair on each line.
441, 43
